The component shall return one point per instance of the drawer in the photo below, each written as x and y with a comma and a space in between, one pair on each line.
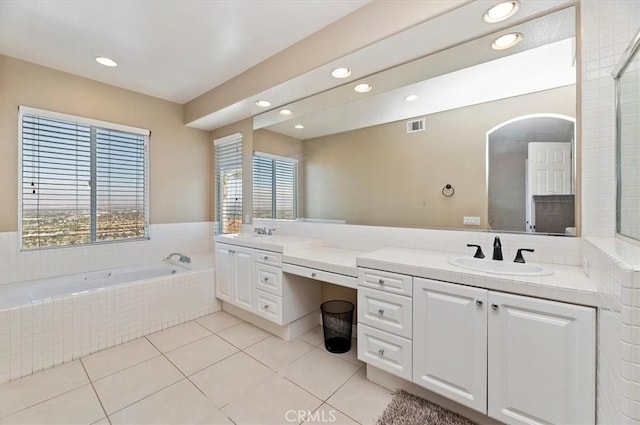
385, 281
270, 258
335, 278
383, 350
269, 306
269, 279
388, 312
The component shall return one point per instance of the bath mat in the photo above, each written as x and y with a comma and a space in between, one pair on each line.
407, 409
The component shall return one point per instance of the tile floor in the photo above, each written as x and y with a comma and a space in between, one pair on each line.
214, 370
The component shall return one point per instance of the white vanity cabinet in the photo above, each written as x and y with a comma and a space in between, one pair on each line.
253, 279
520, 360
385, 321
450, 341
234, 275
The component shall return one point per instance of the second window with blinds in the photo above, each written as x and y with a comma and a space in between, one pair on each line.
275, 191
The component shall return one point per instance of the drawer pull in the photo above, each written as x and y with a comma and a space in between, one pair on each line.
381, 281
380, 312
479, 303
266, 279
265, 257
381, 351
313, 274
266, 306
494, 307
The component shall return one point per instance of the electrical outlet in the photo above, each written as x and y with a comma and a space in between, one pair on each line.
585, 266
471, 221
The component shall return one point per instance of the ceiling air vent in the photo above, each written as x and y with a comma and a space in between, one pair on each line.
415, 125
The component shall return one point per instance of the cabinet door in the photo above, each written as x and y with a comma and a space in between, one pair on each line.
243, 284
541, 361
450, 341
224, 272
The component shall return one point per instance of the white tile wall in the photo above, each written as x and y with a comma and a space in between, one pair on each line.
16, 266
41, 335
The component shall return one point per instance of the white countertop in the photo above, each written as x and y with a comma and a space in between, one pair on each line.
567, 283
334, 260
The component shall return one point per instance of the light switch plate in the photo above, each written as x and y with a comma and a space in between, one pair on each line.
471, 221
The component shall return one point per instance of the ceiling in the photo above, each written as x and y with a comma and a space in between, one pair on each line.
171, 49
515, 136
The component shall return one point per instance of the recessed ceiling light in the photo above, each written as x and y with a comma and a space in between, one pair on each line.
286, 112
263, 103
412, 97
106, 61
298, 126
362, 88
506, 41
501, 11
341, 72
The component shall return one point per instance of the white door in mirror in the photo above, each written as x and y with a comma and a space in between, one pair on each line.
500, 267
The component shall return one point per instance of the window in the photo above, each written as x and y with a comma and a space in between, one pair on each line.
228, 163
82, 181
274, 187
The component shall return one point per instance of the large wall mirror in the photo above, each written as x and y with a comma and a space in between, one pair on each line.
470, 137
627, 77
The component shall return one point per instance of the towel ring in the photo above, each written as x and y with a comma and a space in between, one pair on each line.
448, 191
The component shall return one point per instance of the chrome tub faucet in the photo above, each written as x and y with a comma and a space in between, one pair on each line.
183, 258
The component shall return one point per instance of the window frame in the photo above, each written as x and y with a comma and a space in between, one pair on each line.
274, 158
42, 113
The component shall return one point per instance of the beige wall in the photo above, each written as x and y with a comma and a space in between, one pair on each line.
245, 127
179, 156
383, 176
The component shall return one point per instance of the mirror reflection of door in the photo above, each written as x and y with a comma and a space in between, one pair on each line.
530, 174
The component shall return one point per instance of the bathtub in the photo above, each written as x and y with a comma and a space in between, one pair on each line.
47, 322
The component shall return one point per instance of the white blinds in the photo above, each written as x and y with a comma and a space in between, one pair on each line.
80, 184
274, 187
228, 171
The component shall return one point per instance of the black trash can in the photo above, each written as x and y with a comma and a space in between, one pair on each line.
337, 317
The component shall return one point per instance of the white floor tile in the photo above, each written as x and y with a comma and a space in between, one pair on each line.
243, 335
319, 372
41, 386
79, 406
130, 385
231, 378
181, 403
120, 357
327, 414
103, 421
204, 352
177, 336
275, 401
361, 399
314, 337
278, 353
218, 321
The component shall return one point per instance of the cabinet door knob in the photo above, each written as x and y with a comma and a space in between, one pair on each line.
494, 307
313, 274
479, 303
266, 279
266, 258
381, 351
381, 281
380, 312
266, 306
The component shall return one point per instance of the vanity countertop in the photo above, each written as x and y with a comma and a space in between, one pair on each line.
567, 283
275, 243
334, 260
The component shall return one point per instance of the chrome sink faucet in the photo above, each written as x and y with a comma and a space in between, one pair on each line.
497, 249
183, 258
264, 231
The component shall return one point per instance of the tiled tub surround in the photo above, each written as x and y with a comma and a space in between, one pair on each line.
56, 329
17, 266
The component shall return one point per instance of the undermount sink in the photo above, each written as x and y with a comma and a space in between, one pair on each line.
500, 267
248, 236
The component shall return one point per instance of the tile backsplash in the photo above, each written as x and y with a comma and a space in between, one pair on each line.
17, 266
